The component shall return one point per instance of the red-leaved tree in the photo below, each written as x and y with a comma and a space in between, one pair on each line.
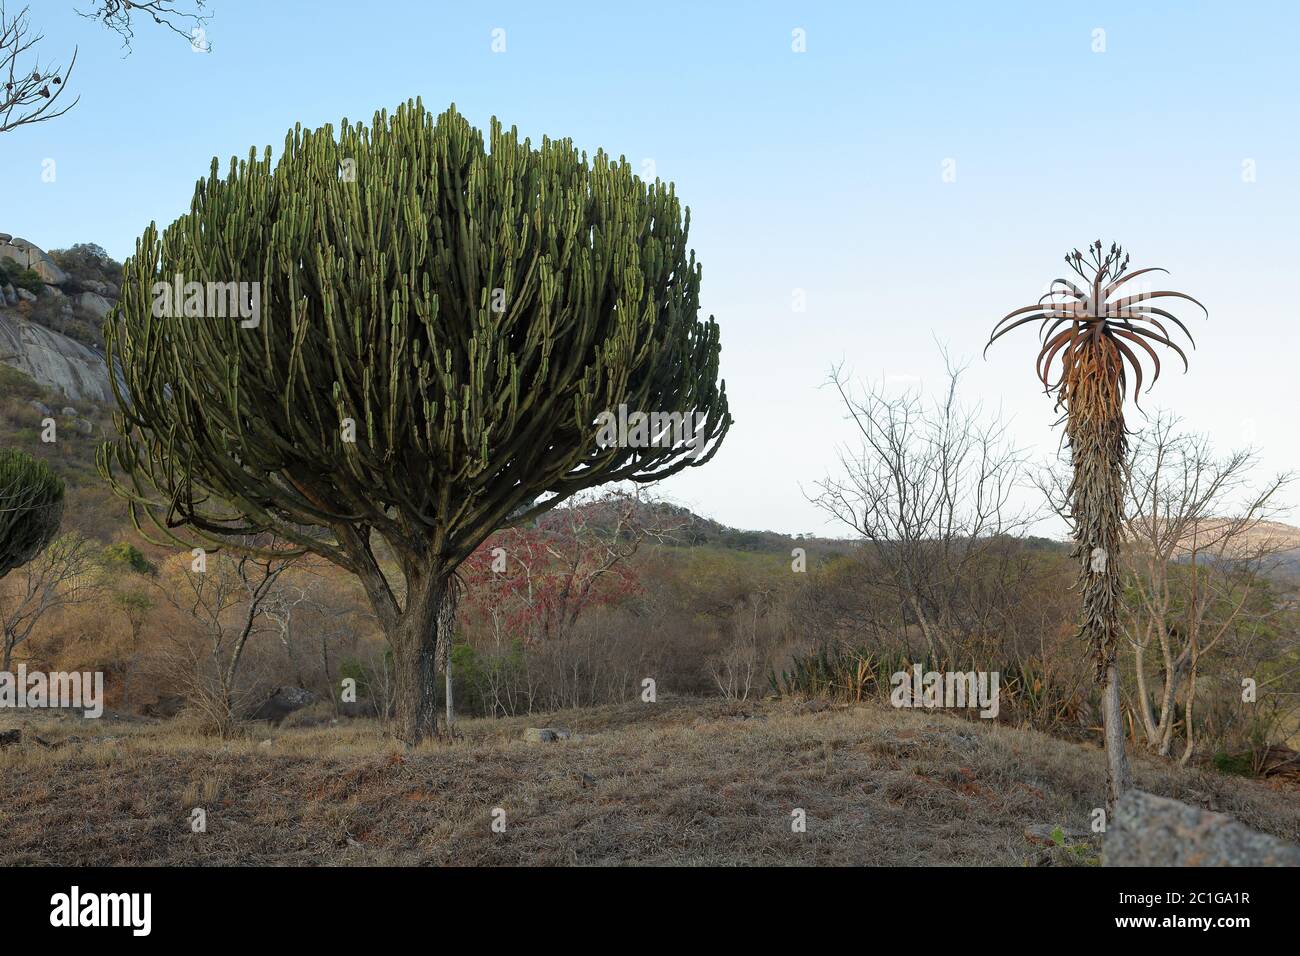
532, 583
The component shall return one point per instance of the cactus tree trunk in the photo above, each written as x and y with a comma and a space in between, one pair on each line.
413, 629
1098, 447
415, 642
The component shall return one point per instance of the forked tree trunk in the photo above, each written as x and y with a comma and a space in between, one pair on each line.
412, 630
415, 659
1098, 450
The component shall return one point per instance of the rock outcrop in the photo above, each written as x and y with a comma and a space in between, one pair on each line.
546, 735
1147, 830
94, 303
30, 256
53, 360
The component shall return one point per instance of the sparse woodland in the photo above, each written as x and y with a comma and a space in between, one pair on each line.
587, 601
460, 549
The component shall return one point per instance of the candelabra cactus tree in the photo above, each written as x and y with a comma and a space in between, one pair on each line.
1088, 352
439, 324
31, 507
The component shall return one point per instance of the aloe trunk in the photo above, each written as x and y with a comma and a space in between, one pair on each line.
1098, 452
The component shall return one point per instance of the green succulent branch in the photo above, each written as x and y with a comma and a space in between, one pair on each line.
31, 508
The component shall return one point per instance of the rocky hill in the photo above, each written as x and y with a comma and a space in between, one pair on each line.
52, 359
50, 316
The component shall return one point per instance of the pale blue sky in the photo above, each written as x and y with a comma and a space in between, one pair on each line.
819, 171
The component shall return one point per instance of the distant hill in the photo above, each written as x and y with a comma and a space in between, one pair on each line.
1279, 540
1269, 534
682, 527
685, 528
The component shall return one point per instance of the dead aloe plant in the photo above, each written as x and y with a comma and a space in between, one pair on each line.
1090, 347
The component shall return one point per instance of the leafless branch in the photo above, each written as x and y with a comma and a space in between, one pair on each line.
117, 16
31, 90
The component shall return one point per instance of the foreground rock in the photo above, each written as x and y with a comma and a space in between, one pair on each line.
1147, 830
546, 735
282, 702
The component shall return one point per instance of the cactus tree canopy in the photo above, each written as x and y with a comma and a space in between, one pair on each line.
31, 507
439, 323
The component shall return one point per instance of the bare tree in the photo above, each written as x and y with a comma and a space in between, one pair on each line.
282, 607
741, 665
61, 576
135, 607
311, 619
531, 585
32, 90
1201, 548
223, 605
929, 491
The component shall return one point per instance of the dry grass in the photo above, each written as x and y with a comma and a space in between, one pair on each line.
679, 782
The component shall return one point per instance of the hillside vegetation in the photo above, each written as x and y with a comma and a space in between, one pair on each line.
599, 596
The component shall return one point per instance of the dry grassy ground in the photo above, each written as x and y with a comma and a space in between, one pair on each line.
678, 782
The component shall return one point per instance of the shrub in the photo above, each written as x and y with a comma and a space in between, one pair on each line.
125, 554
20, 277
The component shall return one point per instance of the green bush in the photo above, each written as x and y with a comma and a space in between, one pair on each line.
18, 384
31, 508
1239, 765
353, 669
125, 554
474, 674
846, 673
840, 672
87, 262
20, 276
